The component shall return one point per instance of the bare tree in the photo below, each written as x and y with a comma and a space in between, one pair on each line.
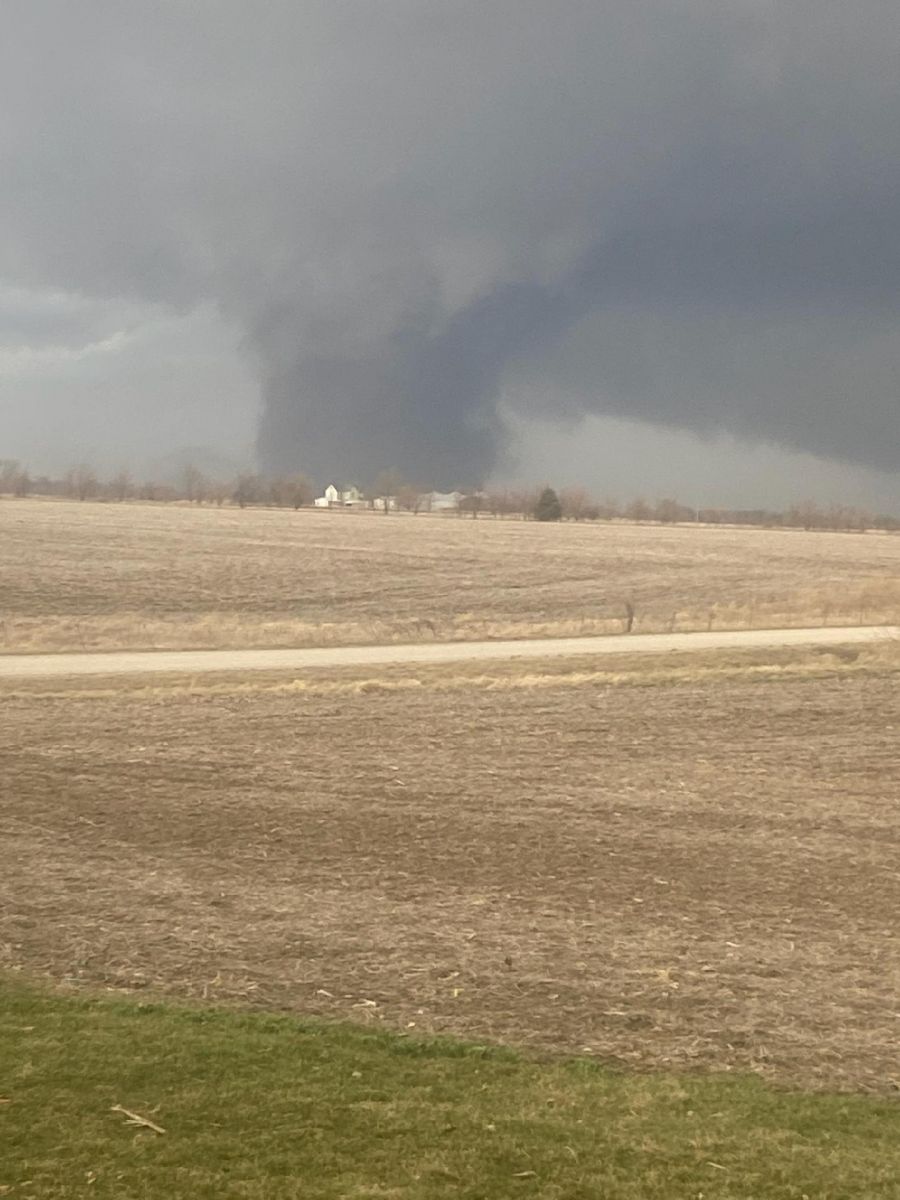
805, 515
576, 503
120, 486
670, 511
474, 503
291, 491
500, 501
841, 516
194, 484
387, 485
608, 509
711, 516
409, 497
218, 491
149, 490
639, 510
248, 489
9, 472
81, 482
523, 501
300, 490
14, 478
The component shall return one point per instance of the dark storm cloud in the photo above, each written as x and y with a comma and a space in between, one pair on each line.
684, 212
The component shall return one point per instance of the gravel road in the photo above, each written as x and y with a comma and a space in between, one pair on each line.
145, 662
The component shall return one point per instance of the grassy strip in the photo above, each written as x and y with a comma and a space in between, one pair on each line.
638, 670
260, 1106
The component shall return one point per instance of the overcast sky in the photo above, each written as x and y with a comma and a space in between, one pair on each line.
648, 246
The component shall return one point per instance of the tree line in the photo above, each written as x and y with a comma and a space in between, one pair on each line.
193, 485
391, 492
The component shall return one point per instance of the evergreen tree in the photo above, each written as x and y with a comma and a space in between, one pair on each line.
548, 507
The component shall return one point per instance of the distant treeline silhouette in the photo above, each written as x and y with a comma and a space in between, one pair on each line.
296, 491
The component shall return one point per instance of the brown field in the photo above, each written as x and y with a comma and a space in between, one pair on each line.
129, 576
688, 863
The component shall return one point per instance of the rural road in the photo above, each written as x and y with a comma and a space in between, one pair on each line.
192, 662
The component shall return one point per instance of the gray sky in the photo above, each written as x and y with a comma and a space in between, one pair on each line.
628, 243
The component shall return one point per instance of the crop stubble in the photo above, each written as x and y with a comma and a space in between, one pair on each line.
137, 576
698, 872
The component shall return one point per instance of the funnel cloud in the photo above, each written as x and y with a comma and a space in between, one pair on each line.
418, 214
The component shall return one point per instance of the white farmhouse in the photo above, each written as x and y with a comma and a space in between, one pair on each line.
350, 497
331, 498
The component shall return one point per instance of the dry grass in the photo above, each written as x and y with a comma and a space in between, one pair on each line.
638, 670
699, 873
99, 577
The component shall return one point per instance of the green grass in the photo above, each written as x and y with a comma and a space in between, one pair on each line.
269, 1107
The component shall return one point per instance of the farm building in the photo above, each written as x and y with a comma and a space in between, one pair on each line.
349, 497
441, 501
